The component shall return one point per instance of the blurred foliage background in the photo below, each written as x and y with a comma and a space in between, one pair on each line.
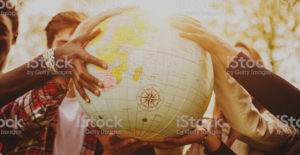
272, 27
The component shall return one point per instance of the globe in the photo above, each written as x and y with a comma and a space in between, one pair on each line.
156, 81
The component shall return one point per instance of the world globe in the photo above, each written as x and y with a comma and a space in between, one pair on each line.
155, 82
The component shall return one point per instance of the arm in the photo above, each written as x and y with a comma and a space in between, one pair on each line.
268, 88
36, 108
110, 142
262, 131
236, 102
18, 81
24, 78
222, 150
213, 146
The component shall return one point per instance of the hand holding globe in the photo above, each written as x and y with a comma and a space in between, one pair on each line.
155, 82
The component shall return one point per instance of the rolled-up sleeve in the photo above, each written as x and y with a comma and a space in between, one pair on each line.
35, 108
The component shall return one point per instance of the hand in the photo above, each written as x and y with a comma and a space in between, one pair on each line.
113, 145
75, 55
192, 29
212, 143
89, 24
193, 136
75, 51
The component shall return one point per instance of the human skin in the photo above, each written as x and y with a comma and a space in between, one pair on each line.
192, 29
6, 38
61, 38
16, 82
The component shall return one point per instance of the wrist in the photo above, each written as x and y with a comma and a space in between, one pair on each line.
62, 80
109, 153
225, 53
50, 60
212, 143
57, 53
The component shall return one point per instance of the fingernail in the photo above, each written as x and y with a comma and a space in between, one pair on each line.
97, 92
100, 84
167, 139
132, 140
87, 100
104, 66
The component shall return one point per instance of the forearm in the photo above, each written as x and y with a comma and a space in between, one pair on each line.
254, 128
214, 146
225, 53
35, 108
20, 80
269, 89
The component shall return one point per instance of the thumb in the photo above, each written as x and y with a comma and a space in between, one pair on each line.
86, 38
136, 146
125, 142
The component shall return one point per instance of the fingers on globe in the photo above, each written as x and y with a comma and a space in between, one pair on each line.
90, 78
85, 80
92, 22
163, 145
136, 146
191, 36
125, 142
89, 24
85, 38
98, 62
187, 27
89, 59
90, 37
186, 19
81, 90
179, 141
90, 87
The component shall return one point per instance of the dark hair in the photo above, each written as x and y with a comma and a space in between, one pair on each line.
10, 11
61, 21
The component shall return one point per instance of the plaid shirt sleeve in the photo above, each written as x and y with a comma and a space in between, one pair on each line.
35, 109
90, 143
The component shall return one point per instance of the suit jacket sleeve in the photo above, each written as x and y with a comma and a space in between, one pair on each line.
273, 92
262, 131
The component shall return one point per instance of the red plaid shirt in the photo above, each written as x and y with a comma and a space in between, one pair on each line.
36, 132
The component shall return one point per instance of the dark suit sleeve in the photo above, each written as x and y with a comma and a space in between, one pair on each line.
273, 92
223, 150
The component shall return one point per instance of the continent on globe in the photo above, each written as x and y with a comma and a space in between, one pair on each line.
153, 77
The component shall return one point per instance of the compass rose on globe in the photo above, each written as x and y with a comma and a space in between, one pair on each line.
149, 98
